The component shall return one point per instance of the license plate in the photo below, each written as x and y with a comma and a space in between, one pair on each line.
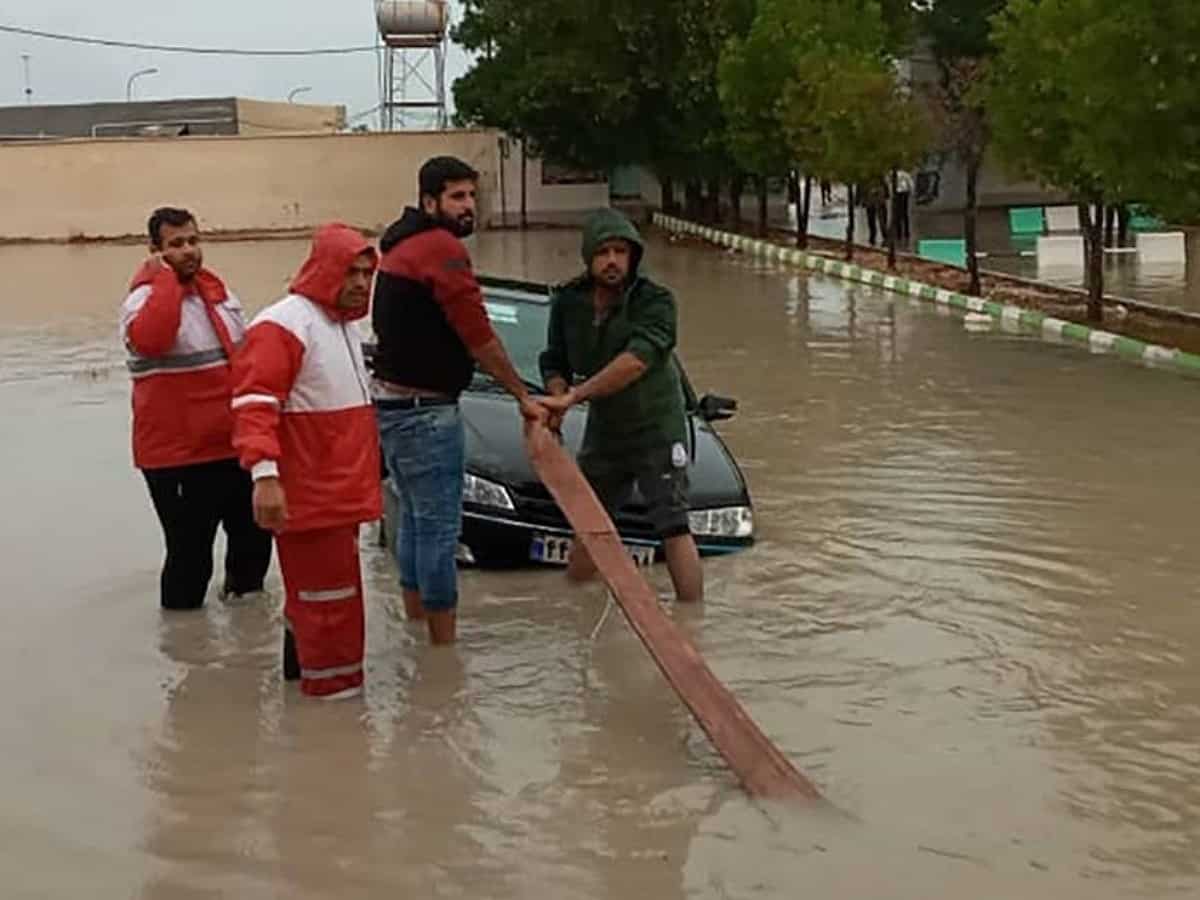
555, 550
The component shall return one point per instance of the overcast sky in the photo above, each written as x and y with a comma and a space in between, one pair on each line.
70, 73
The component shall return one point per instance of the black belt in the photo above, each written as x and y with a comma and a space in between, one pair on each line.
413, 402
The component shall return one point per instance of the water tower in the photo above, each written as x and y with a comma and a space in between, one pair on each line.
414, 66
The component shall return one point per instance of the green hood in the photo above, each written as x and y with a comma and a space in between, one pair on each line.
604, 225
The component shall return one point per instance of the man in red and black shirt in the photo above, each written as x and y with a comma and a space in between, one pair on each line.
432, 328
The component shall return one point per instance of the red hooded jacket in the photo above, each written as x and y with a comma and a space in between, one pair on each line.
301, 404
180, 341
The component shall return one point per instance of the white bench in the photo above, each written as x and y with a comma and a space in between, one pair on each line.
1062, 218
1161, 247
1059, 251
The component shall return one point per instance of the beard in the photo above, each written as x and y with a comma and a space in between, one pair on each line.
461, 226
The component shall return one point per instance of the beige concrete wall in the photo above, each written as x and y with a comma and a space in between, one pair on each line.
258, 117
106, 188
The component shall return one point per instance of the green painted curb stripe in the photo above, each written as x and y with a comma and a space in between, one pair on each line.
1129, 348
1075, 332
1188, 361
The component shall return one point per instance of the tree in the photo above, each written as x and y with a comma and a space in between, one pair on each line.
755, 71
959, 35
848, 109
751, 75
639, 90
1065, 113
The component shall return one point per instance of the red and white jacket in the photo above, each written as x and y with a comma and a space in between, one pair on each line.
180, 342
301, 402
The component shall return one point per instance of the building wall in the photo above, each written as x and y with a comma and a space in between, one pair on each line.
56, 190
106, 188
996, 188
257, 117
204, 116
547, 203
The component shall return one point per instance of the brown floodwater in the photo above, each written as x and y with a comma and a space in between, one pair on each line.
971, 617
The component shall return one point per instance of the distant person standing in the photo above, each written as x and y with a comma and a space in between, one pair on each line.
181, 328
305, 429
873, 198
432, 328
903, 205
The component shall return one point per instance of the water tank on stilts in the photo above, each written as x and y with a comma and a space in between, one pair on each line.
413, 33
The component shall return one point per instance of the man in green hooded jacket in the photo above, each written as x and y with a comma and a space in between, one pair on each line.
610, 344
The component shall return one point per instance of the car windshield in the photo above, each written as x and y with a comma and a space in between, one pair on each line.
520, 323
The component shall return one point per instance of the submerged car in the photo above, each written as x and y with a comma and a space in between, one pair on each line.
509, 518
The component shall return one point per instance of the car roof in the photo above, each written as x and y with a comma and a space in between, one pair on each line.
514, 290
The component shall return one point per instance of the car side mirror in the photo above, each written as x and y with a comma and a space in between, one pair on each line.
714, 408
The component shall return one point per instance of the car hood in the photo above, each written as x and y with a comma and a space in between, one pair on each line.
496, 451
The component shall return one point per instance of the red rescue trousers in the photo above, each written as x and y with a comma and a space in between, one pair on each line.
324, 607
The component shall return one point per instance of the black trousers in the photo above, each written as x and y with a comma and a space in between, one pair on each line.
903, 222
191, 501
877, 222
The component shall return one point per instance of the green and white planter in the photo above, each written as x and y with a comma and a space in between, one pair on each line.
1011, 318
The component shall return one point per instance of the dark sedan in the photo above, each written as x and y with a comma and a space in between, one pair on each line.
509, 518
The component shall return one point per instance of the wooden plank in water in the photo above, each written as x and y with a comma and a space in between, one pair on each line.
762, 769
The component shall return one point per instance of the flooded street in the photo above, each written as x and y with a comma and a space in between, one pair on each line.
1175, 284
971, 617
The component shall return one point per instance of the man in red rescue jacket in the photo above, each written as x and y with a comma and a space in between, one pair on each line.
181, 327
305, 429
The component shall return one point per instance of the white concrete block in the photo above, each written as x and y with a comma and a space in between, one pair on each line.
1062, 218
1060, 250
1161, 247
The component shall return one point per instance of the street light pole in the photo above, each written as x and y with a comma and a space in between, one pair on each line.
28, 85
300, 90
137, 74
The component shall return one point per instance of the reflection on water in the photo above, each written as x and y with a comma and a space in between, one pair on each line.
970, 617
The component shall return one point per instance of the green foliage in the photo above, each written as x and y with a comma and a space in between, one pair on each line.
786, 45
604, 82
1099, 98
848, 113
959, 29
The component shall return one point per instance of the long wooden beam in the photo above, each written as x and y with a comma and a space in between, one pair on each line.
762, 769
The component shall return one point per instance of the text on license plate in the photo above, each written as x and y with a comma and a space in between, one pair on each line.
552, 549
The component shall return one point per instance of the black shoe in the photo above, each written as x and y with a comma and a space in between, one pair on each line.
291, 662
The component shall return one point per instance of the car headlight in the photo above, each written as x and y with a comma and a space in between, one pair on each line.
726, 521
482, 492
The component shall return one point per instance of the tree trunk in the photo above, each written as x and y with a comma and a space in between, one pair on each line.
524, 187
737, 186
850, 192
1094, 247
970, 219
762, 205
666, 188
803, 214
693, 199
892, 222
713, 212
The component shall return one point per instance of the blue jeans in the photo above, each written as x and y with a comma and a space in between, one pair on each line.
425, 453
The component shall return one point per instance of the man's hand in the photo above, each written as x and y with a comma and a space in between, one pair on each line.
270, 504
533, 411
555, 386
559, 404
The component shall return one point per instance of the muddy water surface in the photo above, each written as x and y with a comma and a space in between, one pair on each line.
971, 617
